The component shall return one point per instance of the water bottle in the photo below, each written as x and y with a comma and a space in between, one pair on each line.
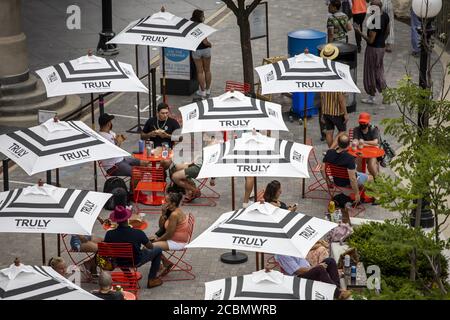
338, 215
141, 146
165, 152
347, 265
353, 274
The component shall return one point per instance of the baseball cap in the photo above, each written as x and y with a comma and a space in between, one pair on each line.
364, 118
105, 118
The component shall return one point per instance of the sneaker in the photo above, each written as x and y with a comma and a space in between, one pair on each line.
208, 93
245, 205
369, 100
200, 93
155, 282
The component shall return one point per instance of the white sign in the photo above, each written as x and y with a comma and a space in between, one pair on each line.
44, 115
257, 19
178, 65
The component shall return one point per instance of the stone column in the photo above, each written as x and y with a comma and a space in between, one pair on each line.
13, 47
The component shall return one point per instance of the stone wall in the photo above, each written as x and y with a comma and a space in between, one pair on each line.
402, 8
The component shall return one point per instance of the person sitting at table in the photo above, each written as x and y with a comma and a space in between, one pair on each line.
326, 271
272, 195
173, 233
106, 291
59, 265
341, 158
121, 166
160, 129
124, 233
368, 135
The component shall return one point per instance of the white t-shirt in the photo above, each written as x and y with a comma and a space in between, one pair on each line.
109, 163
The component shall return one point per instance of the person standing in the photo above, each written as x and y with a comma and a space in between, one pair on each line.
359, 10
415, 24
389, 9
337, 23
377, 33
159, 129
202, 59
333, 106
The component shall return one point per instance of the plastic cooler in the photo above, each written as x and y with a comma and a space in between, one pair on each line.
298, 41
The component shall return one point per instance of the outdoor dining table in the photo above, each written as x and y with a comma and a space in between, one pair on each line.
140, 226
366, 152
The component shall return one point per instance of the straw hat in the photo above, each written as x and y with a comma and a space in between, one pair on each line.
330, 52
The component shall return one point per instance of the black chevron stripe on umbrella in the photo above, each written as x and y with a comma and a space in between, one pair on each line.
273, 285
20, 282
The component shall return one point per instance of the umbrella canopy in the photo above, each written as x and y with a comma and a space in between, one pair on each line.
38, 283
256, 155
90, 74
263, 227
164, 29
306, 73
58, 144
273, 285
232, 111
48, 209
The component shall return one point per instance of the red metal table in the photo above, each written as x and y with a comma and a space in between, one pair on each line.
366, 152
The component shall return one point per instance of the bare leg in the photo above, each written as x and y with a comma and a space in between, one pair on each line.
372, 166
249, 183
207, 69
329, 137
200, 73
358, 164
180, 179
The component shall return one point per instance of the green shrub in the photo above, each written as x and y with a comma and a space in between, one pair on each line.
388, 245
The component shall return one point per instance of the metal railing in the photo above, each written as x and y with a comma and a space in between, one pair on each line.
442, 24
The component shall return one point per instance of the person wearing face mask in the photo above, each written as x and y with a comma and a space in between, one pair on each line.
371, 137
120, 166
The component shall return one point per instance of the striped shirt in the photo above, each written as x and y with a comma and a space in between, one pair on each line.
330, 103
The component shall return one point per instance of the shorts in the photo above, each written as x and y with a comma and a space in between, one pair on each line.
201, 53
192, 171
173, 245
335, 121
361, 178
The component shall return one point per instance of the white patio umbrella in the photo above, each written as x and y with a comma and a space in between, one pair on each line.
263, 227
57, 144
232, 111
48, 209
90, 74
256, 155
164, 29
273, 285
22, 282
306, 73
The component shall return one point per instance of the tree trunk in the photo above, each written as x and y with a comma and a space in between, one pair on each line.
412, 272
418, 212
246, 49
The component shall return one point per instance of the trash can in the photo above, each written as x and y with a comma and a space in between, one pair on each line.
298, 41
348, 54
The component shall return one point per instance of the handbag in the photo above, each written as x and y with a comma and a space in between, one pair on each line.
354, 258
105, 263
340, 233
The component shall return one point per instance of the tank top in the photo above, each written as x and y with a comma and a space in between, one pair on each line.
181, 233
359, 6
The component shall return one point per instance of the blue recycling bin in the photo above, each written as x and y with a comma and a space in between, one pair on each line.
298, 41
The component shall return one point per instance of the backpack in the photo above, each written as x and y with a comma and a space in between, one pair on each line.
118, 188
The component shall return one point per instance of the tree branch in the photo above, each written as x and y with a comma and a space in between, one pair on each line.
252, 7
232, 6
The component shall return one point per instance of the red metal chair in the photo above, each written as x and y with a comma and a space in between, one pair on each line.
77, 258
333, 171
107, 175
148, 182
176, 258
122, 255
319, 184
210, 195
237, 86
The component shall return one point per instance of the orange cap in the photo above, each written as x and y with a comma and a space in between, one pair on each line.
364, 118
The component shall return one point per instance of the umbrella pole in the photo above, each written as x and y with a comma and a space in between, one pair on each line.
93, 128
164, 75
232, 257
150, 109
258, 254
49, 181
5, 175
58, 239
138, 98
304, 136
